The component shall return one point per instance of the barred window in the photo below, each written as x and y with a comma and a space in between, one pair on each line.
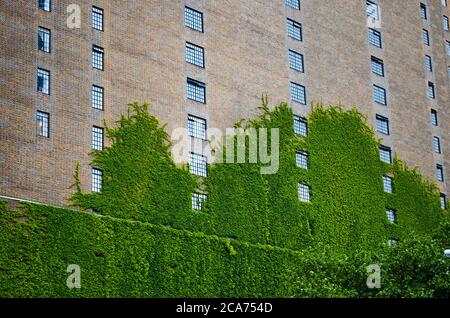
293, 3
197, 127
196, 90
385, 154
377, 66
97, 138
298, 93
375, 37
431, 92
198, 201
97, 180
43, 81
426, 37
296, 61
304, 192
97, 57
44, 36
97, 97
391, 215
446, 24
43, 124
434, 118
428, 63
382, 124
195, 54
300, 126
302, 159
97, 18
198, 164
440, 173
436, 144
443, 200
423, 11
294, 30
45, 5
379, 94
193, 19
387, 184
372, 10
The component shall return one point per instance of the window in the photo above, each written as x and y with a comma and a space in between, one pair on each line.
294, 30
44, 39
440, 173
293, 3
196, 91
379, 94
198, 200
197, 127
45, 5
300, 126
194, 54
443, 199
43, 124
436, 144
446, 24
434, 118
377, 66
426, 37
43, 81
97, 180
387, 184
385, 154
97, 138
447, 45
97, 97
302, 159
193, 19
304, 192
382, 124
197, 164
97, 18
375, 37
391, 215
372, 10
296, 61
428, 63
444, 3
298, 93
431, 92
97, 57
423, 11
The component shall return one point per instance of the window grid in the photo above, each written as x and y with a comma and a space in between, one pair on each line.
196, 90
298, 93
296, 61
97, 138
377, 66
428, 63
195, 54
97, 180
391, 215
387, 184
97, 57
374, 37
431, 92
440, 173
382, 124
446, 23
300, 126
97, 18
293, 3
436, 144
193, 19
43, 124
434, 118
45, 5
372, 10
294, 30
385, 154
379, 94
302, 159
44, 39
426, 37
423, 11
197, 127
443, 200
43, 81
304, 192
198, 201
198, 164
97, 97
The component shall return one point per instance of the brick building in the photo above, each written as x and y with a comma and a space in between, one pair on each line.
205, 63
